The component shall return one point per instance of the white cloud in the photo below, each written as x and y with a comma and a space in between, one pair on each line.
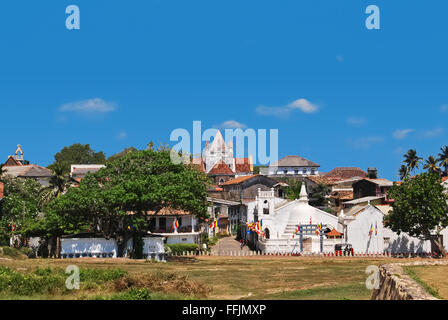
399, 150
299, 104
444, 108
356, 121
433, 133
364, 142
91, 106
231, 124
122, 135
340, 58
402, 133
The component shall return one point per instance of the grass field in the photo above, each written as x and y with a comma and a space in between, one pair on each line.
432, 278
208, 277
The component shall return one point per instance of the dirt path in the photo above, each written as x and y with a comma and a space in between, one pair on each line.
229, 244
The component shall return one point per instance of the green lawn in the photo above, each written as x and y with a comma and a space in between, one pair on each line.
212, 277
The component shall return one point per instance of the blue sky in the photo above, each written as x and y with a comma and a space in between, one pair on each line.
146, 68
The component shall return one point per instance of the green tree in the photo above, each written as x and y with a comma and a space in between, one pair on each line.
292, 191
432, 165
21, 207
257, 169
115, 201
419, 208
412, 160
403, 172
443, 158
319, 195
121, 153
77, 154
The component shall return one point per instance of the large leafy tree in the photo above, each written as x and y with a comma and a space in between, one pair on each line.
121, 153
292, 191
419, 208
77, 154
21, 207
319, 195
115, 201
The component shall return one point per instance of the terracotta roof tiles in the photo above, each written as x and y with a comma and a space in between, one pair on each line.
343, 173
238, 180
221, 168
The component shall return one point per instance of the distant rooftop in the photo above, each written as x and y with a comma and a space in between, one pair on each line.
294, 161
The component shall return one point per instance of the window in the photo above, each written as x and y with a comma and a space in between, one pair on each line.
266, 232
285, 171
162, 223
265, 210
304, 170
313, 171
296, 171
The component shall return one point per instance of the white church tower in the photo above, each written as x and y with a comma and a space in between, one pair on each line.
217, 151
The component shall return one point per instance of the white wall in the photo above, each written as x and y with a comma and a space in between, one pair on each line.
181, 238
88, 245
153, 245
358, 235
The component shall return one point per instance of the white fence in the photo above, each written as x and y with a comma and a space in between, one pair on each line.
241, 253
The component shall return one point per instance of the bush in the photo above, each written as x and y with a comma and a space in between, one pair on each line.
101, 275
181, 247
13, 253
27, 284
27, 251
133, 294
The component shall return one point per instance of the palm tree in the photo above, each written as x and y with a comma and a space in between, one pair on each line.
443, 159
59, 181
412, 160
431, 165
403, 172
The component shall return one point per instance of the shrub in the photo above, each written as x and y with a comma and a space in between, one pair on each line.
101, 275
27, 284
181, 247
12, 253
133, 294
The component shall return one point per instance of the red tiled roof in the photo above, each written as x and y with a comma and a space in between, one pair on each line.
167, 212
320, 179
242, 165
239, 180
221, 168
334, 233
343, 173
11, 162
342, 195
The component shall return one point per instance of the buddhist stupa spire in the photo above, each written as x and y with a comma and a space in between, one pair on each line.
303, 198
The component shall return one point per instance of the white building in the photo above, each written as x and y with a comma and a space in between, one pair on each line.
291, 166
364, 230
280, 219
